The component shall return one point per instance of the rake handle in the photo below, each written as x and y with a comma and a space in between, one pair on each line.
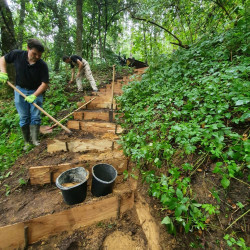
54, 125
42, 110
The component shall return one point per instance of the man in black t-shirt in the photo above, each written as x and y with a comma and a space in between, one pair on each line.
32, 78
83, 69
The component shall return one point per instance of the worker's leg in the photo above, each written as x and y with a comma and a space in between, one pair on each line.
79, 82
35, 113
24, 113
89, 76
23, 107
35, 120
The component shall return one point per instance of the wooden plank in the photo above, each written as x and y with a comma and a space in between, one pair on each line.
40, 175
149, 226
92, 115
56, 146
73, 124
98, 127
72, 219
47, 174
88, 145
103, 105
78, 115
12, 236
99, 99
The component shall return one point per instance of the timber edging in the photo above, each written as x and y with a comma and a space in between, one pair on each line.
21, 234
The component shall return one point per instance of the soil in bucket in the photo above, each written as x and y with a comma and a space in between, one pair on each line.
73, 185
103, 180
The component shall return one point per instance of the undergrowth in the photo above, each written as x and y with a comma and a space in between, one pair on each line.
195, 101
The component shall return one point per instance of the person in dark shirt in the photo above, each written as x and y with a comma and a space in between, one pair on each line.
32, 78
83, 69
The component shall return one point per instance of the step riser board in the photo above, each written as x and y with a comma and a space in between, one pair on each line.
98, 116
41, 175
95, 127
13, 236
82, 146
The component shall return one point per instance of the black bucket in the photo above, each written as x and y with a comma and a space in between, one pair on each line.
77, 191
103, 180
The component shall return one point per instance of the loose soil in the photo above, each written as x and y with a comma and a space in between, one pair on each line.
25, 202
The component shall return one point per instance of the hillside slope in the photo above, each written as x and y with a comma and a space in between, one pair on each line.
187, 121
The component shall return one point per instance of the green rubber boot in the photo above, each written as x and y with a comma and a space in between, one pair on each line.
26, 136
34, 132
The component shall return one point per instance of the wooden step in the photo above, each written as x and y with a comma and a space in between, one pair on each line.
83, 145
109, 91
21, 234
101, 102
96, 115
40, 175
95, 127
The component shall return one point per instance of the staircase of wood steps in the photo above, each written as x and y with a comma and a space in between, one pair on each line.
97, 118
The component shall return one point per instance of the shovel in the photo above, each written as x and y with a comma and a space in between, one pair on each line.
43, 111
47, 129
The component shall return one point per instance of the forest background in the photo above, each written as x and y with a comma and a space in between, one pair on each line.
193, 100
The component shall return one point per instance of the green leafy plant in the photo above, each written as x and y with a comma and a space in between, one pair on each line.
232, 242
193, 102
175, 194
7, 189
22, 182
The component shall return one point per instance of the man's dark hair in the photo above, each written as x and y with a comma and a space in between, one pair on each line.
34, 43
65, 58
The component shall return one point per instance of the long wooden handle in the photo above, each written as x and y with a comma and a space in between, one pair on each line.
43, 111
54, 125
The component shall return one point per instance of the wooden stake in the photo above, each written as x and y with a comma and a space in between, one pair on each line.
112, 96
26, 237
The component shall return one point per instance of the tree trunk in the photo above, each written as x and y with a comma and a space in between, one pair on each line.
99, 30
21, 25
61, 36
92, 41
79, 27
145, 43
8, 39
7, 28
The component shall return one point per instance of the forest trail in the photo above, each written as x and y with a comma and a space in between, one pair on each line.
93, 141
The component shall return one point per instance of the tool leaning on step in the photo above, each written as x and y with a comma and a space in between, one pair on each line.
83, 69
32, 78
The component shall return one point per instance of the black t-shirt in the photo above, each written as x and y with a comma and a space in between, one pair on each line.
74, 60
28, 76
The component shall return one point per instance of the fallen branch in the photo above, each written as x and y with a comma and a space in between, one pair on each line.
199, 162
238, 219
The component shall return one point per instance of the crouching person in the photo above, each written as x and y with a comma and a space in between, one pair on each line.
83, 70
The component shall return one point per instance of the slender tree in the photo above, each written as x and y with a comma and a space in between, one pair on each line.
21, 25
79, 27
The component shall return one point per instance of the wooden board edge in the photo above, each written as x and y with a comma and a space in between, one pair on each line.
13, 236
